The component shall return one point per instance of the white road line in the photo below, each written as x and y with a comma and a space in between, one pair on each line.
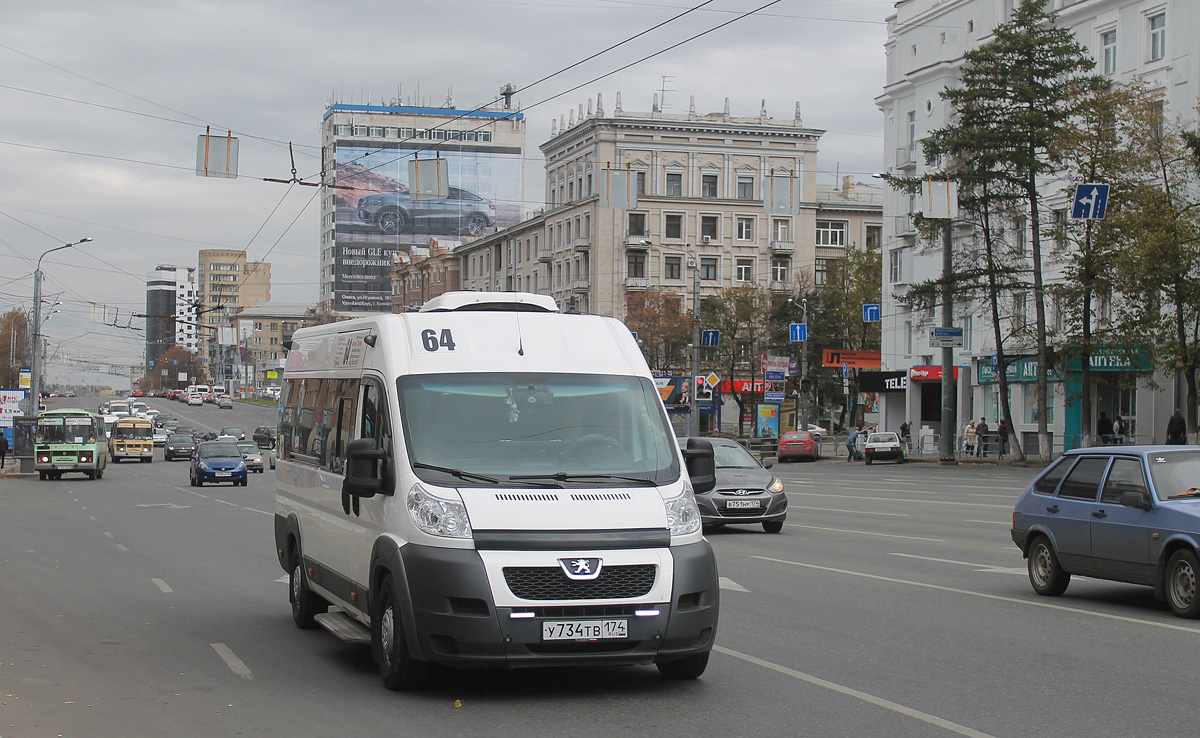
986, 596
232, 661
1005, 523
864, 533
122, 547
108, 535
856, 694
163, 586
853, 512
223, 502
901, 499
264, 512
196, 493
729, 584
91, 517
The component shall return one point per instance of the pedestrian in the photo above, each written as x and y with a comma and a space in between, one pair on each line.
1118, 430
981, 431
3, 449
1177, 429
905, 433
969, 439
852, 445
1104, 428
1002, 431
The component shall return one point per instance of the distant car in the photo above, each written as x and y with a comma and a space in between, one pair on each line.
217, 461
160, 436
194, 400
462, 212
799, 445
178, 446
745, 491
225, 403
1124, 513
231, 430
253, 457
883, 446
137, 393
264, 436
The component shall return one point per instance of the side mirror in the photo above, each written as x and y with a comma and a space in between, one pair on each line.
701, 466
768, 464
1138, 500
362, 468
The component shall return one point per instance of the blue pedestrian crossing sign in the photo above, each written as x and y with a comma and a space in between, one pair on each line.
797, 332
710, 338
871, 314
1091, 200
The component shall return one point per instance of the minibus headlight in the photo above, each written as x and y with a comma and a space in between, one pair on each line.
438, 516
683, 517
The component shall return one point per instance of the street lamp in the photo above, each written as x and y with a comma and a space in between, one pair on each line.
35, 382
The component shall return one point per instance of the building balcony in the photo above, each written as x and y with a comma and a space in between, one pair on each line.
636, 283
782, 286
545, 255
905, 158
638, 241
581, 285
783, 247
582, 244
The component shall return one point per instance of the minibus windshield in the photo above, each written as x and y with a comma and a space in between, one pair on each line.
582, 430
128, 430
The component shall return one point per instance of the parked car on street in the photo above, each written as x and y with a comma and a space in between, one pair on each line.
798, 445
745, 491
218, 461
883, 447
1124, 513
178, 446
462, 212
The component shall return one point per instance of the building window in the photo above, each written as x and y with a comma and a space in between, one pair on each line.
377, 131
708, 227
874, 236
673, 267
708, 185
640, 179
485, 136
1108, 55
896, 266
675, 184
912, 129
343, 130
781, 229
637, 224
745, 270
1158, 36
635, 264
708, 268
360, 130
455, 135
673, 225
779, 270
745, 187
831, 233
821, 272
745, 229
438, 134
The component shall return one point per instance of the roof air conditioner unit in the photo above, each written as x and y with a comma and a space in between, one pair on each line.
706, 239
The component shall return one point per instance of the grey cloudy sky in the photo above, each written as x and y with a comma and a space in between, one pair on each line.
101, 102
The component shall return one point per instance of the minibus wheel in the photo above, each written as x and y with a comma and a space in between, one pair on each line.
306, 604
399, 670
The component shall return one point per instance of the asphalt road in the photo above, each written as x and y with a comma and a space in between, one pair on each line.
893, 603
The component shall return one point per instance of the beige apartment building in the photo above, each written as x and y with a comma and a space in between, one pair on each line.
418, 278
226, 283
638, 200
262, 332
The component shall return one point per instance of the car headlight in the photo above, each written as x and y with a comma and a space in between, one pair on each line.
776, 485
203, 465
438, 516
683, 517
241, 465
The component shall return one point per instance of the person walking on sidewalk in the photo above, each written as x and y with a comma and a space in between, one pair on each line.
1177, 429
3, 449
1002, 430
969, 439
1104, 428
981, 431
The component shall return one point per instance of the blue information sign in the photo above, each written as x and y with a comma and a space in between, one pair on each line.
710, 338
797, 332
871, 314
1090, 202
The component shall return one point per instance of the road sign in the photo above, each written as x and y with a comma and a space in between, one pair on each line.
1091, 200
871, 314
772, 397
634, 334
710, 338
797, 332
712, 380
945, 337
845, 371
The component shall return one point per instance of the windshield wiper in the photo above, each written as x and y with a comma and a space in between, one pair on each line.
1192, 493
565, 477
456, 472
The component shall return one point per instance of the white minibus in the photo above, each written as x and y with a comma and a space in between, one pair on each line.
489, 482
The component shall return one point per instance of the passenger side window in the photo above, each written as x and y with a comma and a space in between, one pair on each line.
1048, 482
1084, 480
1125, 476
374, 417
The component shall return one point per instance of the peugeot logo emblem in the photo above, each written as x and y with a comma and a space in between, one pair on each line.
581, 569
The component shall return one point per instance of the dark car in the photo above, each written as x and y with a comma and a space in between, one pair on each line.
161, 420
745, 491
799, 445
218, 461
1124, 513
264, 436
178, 446
462, 212
234, 431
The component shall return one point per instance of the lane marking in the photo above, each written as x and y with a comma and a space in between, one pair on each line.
723, 582
168, 505
122, 547
865, 533
195, 493
899, 499
1005, 523
91, 517
108, 535
162, 585
852, 512
283, 579
223, 502
856, 694
264, 512
232, 661
977, 567
986, 596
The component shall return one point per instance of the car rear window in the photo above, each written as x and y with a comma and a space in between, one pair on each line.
1084, 480
1048, 482
796, 436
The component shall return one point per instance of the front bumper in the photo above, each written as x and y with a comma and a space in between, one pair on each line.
211, 476
457, 622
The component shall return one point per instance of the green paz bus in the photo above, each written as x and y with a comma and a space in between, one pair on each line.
70, 440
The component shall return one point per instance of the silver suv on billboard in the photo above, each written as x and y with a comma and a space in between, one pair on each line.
463, 212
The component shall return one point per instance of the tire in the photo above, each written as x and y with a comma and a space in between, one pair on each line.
476, 224
393, 221
91, 474
1045, 574
42, 475
868, 460
772, 526
1180, 583
305, 604
688, 667
399, 670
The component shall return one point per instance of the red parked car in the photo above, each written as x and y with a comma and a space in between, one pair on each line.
798, 445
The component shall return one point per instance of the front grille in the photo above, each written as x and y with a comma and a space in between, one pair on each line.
550, 583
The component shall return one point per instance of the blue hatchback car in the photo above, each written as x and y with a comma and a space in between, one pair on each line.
1124, 513
218, 461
